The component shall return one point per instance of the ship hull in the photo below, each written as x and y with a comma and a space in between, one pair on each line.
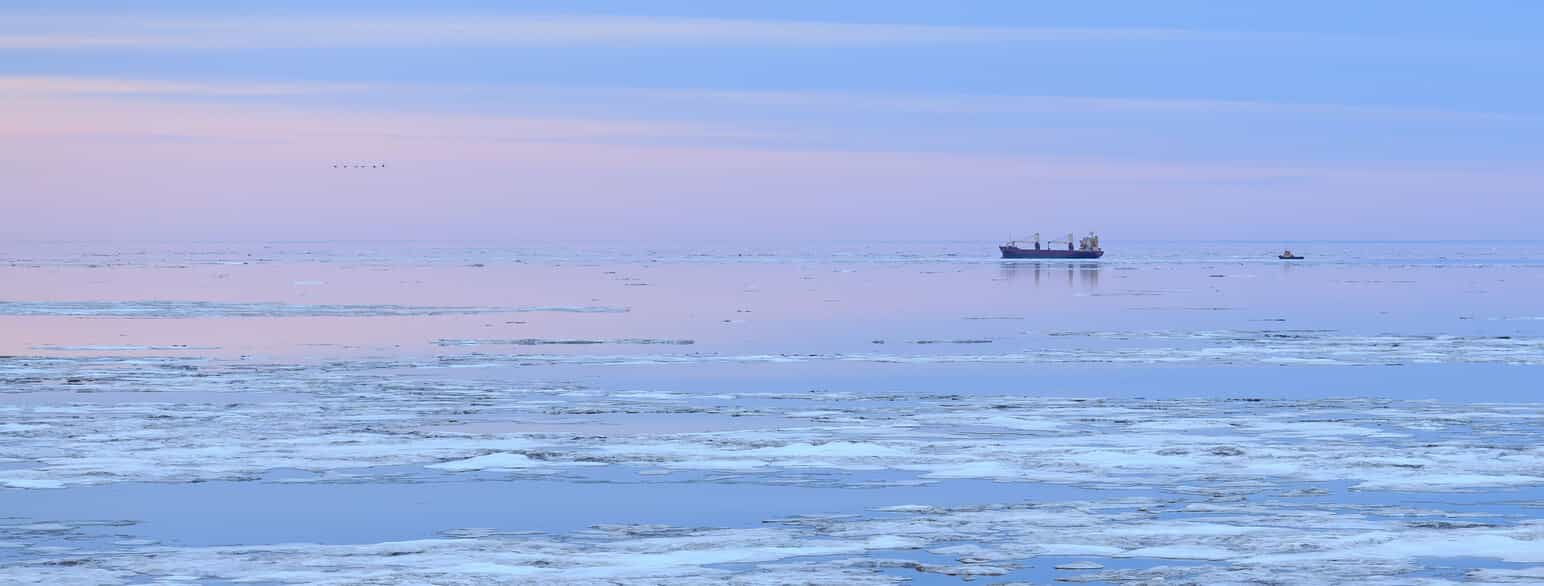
1016, 252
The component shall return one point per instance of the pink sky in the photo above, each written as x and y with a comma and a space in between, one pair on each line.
130, 168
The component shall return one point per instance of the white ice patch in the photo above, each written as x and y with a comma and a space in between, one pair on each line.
500, 461
22, 481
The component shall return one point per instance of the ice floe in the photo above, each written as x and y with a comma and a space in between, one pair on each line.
499, 461
1138, 540
1216, 347
353, 415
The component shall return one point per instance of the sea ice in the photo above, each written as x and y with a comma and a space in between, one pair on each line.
1208, 475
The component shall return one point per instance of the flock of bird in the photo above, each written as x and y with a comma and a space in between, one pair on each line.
348, 166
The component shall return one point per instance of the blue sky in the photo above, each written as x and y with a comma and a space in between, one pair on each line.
774, 119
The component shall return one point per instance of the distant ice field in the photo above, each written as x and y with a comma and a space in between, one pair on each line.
397, 254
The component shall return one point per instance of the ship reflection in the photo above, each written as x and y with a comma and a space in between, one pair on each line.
1085, 274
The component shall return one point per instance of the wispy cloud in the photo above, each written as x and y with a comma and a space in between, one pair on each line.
986, 104
79, 111
62, 86
617, 97
122, 31
74, 113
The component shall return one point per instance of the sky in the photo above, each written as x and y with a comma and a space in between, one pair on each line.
788, 120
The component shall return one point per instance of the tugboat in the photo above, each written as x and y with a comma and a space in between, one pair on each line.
1087, 247
1287, 255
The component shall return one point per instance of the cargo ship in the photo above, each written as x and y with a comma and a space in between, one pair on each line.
1086, 247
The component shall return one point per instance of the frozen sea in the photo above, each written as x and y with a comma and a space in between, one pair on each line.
829, 413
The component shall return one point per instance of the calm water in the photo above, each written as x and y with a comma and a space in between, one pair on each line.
825, 413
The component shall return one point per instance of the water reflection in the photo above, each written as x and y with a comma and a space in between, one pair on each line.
1084, 273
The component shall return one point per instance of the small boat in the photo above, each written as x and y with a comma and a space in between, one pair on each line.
1287, 255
